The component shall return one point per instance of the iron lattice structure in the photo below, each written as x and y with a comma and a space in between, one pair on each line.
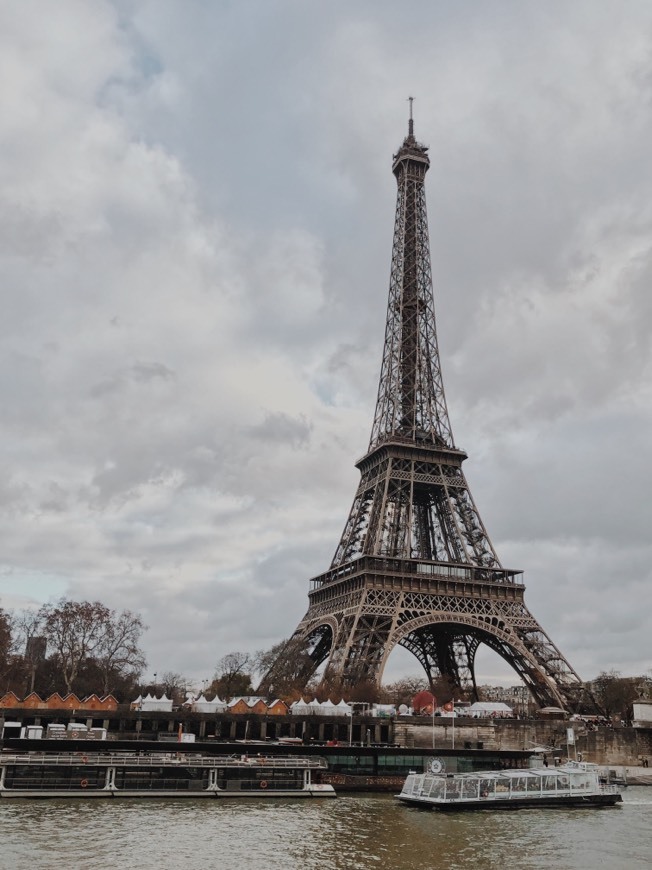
415, 565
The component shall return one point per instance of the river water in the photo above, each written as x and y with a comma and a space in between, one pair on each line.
360, 831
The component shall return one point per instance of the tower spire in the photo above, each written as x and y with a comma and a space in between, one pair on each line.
411, 402
411, 122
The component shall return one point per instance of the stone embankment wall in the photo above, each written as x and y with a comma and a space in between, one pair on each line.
601, 745
613, 746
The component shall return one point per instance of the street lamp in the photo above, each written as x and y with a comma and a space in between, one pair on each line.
433, 725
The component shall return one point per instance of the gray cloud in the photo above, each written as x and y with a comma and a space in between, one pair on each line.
195, 239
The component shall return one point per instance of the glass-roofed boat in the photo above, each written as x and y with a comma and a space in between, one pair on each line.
575, 784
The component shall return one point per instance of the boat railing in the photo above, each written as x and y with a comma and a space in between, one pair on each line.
164, 759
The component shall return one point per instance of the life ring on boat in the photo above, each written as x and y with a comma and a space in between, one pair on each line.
484, 794
84, 783
74, 734
84, 758
263, 783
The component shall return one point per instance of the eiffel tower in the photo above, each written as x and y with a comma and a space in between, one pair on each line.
415, 566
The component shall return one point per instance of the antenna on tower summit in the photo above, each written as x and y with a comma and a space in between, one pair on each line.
411, 124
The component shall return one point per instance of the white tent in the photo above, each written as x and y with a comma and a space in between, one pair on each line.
343, 709
203, 705
316, 707
150, 704
482, 709
328, 708
300, 708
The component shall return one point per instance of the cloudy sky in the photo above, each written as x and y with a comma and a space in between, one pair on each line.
196, 211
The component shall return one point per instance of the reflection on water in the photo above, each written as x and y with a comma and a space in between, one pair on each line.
350, 832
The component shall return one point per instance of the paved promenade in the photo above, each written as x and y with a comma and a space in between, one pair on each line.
632, 775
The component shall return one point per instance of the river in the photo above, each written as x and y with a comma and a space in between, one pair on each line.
351, 832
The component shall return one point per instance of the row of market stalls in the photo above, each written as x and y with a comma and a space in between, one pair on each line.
33, 701
487, 710
151, 703
201, 704
323, 708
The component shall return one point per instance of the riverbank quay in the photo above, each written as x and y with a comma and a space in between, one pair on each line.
604, 745
629, 774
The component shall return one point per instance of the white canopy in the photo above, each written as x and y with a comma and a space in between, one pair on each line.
300, 707
203, 705
488, 708
150, 704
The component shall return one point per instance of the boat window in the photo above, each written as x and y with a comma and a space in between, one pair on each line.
53, 778
397, 764
487, 787
470, 787
438, 787
351, 764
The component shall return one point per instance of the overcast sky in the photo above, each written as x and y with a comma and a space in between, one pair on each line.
196, 213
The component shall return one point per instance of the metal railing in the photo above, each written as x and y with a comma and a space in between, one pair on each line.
237, 762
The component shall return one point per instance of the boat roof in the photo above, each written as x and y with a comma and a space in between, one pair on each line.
129, 759
573, 767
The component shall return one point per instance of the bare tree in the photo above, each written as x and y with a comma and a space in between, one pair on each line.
233, 675
615, 694
263, 660
80, 631
173, 685
73, 630
117, 653
403, 690
5, 647
284, 669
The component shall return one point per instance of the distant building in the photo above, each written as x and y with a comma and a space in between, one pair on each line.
35, 649
516, 697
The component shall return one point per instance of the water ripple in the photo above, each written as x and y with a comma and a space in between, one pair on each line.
350, 833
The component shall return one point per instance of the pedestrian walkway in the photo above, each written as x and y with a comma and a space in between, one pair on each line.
631, 774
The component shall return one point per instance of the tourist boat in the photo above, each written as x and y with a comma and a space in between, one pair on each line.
157, 775
575, 784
